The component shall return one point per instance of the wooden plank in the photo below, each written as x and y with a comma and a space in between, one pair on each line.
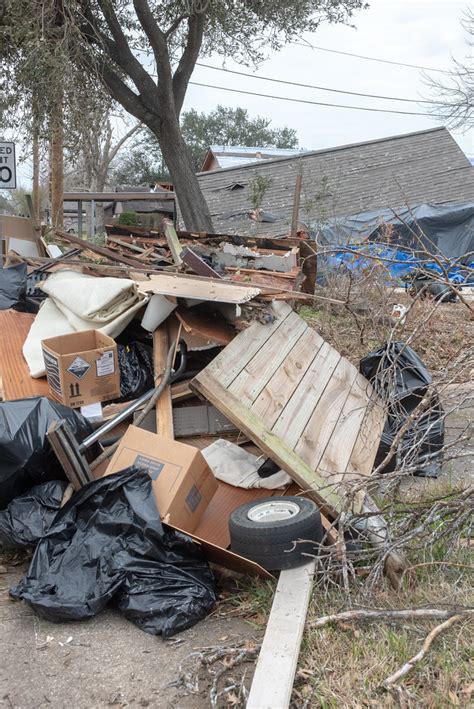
321, 412
259, 370
319, 429
229, 363
16, 380
274, 676
16, 228
173, 242
129, 245
117, 197
337, 455
100, 250
277, 391
164, 407
302, 402
212, 329
199, 288
270, 444
368, 437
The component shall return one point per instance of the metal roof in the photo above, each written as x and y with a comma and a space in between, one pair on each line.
234, 155
414, 168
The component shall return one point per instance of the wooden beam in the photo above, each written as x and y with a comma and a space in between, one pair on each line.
164, 408
296, 206
173, 242
276, 665
101, 250
117, 196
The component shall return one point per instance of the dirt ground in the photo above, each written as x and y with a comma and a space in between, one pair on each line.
103, 662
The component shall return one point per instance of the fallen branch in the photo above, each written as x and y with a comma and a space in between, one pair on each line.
432, 635
405, 614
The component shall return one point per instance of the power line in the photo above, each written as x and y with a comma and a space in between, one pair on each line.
308, 45
314, 103
312, 86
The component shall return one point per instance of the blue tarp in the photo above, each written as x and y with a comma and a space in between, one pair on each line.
402, 247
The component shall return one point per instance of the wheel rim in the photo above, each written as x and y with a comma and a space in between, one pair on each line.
273, 511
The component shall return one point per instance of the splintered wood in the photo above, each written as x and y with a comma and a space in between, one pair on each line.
301, 402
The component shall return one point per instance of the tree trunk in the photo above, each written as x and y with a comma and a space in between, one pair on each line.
57, 167
36, 176
193, 206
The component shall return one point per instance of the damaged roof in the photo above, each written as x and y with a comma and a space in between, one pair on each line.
220, 156
414, 168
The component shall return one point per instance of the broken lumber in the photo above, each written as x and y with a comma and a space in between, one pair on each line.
173, 242
164, 408
101, 250
276, 665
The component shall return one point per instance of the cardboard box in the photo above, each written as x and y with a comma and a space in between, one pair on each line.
183, 483
82, 368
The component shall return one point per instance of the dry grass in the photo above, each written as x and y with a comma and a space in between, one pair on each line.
344, 665
444, 329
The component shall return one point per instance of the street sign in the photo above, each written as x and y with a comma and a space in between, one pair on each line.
7, 166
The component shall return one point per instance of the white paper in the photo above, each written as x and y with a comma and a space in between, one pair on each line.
92, 412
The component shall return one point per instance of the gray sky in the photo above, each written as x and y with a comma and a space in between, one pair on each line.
422, 32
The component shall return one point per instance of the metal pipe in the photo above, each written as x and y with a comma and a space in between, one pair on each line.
134, 405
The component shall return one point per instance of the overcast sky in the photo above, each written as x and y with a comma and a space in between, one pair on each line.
422, 32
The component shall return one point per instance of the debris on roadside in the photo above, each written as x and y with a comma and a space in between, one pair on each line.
211, 416
414, 411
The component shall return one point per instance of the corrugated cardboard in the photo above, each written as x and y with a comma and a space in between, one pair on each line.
82, 368
211, 529
183, 483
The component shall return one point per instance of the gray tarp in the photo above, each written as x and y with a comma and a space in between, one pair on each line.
444, 229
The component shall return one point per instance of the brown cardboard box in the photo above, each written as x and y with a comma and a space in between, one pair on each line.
82, 368
182, 481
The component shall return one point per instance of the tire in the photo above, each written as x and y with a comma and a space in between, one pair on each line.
266, 530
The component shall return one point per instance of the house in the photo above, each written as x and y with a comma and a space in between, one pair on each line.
219, 156
415, 168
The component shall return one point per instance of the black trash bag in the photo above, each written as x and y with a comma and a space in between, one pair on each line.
108, 543
26, 458
136, 370
13, 287
28, 517
402, 380
268, 468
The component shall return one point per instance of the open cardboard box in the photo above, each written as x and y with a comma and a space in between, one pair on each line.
208, 525
82, 368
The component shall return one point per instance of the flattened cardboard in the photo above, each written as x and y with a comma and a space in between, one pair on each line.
82, 368
183, 483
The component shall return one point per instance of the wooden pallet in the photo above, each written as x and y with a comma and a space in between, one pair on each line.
300, 401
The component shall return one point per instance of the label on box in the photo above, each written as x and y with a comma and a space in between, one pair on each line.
105, 365
152, 467
193, 498
79, 367
51, 364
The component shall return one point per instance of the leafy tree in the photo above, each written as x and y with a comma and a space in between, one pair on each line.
144, 163
231, 126
144, 52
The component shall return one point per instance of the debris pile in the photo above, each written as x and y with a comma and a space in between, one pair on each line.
165, 408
